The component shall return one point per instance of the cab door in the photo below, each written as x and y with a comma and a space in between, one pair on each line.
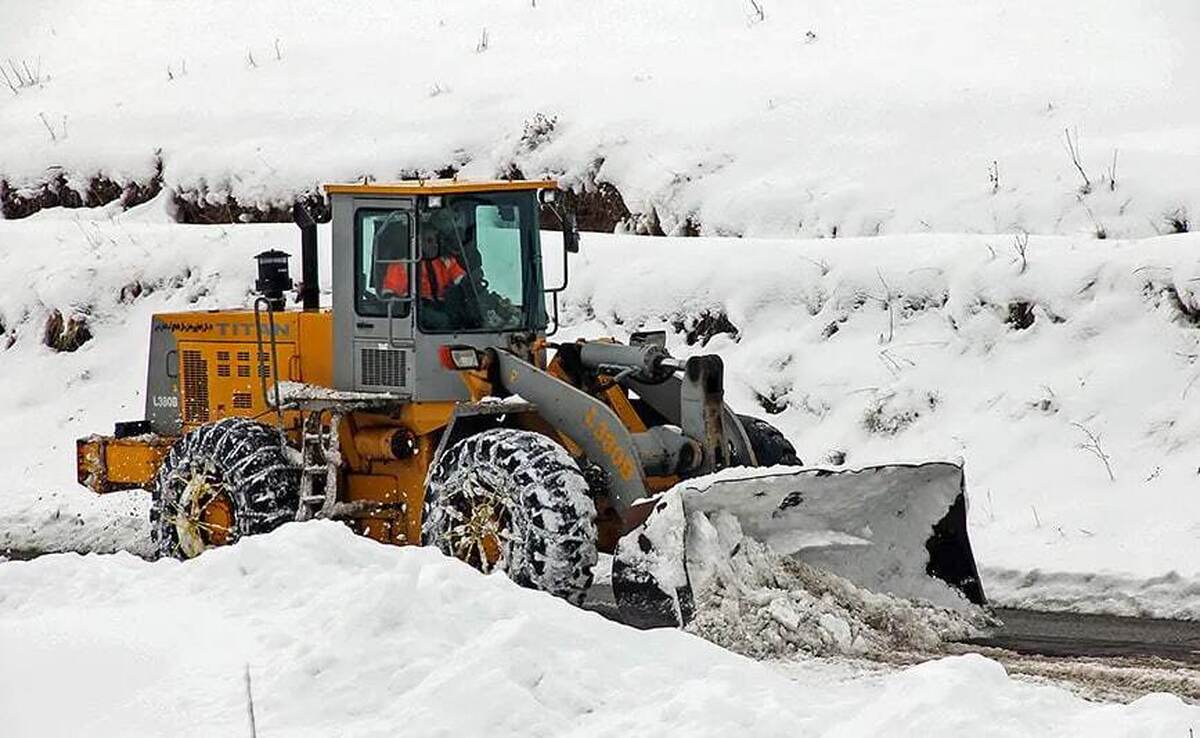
373, 267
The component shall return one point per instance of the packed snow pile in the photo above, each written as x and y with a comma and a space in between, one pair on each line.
728, 117
338, 635
751, 600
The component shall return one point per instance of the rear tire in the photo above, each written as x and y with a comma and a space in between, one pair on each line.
770, 446
514, 501
220, 482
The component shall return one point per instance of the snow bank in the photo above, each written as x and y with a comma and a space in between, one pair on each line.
814, 119
1171, 595
342, 636
960, 355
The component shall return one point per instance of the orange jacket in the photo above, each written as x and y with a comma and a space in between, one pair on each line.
446, 271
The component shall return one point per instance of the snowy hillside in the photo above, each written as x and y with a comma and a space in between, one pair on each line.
341, 636
862, 351
821, 118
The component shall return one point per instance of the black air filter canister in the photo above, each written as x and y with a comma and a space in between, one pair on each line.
273, 278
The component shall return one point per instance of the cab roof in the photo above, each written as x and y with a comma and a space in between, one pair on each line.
410, 187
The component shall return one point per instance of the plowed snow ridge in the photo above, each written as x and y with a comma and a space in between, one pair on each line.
343, 636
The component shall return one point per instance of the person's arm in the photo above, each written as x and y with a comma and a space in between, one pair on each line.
460, 294
395, 280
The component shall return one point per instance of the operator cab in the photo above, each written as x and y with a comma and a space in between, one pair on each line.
421, 265
476, 265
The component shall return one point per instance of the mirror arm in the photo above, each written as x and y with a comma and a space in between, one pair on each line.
554, 302
570, 233
565, 275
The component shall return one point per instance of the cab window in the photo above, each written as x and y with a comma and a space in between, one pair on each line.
383, 262
478, 264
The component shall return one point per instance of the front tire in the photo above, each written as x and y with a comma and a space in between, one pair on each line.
220, 482
514, 501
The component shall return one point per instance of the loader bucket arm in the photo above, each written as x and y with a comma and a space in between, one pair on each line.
588, 422
664, 397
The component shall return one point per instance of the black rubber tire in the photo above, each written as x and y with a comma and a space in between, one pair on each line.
250, 463
770, 445
549, 518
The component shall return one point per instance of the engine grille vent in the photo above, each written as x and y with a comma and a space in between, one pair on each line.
195, 387
242, 400
384, 367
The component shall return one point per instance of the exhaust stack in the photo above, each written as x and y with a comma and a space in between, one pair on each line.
310, 289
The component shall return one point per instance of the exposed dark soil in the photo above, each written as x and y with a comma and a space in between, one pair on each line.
599, 206
199, 208
701, 329
66, 334
56, 191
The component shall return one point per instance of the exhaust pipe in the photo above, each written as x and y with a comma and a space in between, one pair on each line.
310, 289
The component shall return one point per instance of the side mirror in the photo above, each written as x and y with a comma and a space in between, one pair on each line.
570, 233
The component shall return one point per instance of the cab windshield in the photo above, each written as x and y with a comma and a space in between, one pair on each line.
477, 264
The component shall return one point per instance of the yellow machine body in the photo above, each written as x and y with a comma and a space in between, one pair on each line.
220, 377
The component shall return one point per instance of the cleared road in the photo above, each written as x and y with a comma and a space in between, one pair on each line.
1054, 633
1096, 636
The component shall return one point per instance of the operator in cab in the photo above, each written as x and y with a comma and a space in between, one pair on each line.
444, 287
469, 273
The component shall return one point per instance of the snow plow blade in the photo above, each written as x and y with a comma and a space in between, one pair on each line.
899, 529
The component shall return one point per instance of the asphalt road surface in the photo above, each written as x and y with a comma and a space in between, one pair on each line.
1096, 636
1054, 633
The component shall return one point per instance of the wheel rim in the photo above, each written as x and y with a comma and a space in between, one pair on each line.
480, 522
201, 512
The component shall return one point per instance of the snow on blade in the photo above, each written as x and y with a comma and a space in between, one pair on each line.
870, 525
752, 600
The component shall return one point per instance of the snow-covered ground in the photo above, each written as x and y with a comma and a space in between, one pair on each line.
1108, 347
817, 118
342, 636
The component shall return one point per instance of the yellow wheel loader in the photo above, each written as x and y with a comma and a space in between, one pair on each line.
430, 406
